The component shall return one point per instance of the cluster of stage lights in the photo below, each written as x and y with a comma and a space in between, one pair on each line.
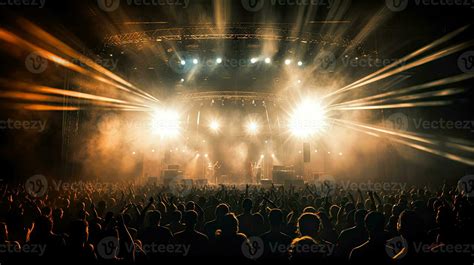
253, 60
307, 119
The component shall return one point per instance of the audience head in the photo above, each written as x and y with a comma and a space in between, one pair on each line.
308, 224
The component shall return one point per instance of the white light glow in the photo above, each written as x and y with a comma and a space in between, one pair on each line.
214, 126
252, 128
183, 62
195, 61
268, 60
307, 119
300, 63
219, 60
253, 60
287, 61
166, 123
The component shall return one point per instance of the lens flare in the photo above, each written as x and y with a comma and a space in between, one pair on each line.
307, 119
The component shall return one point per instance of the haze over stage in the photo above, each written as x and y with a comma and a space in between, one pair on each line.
322, 132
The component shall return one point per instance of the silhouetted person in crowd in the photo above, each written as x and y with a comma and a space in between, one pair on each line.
42, 235
411, 230
5, 244
197, 241
352, 237
228, 239
78, 248
175, 224
374, 249
246, 219
154, 234
308, 229
211, 227
276, 243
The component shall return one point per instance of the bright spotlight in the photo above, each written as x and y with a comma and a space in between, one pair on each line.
268, 60
214, 125
183, 62
287, 61
307, 119
262, 156
182, 80
206, 155
273, 155
166, 123
219, 60
195, 61
252, 128
300, 63
253, 60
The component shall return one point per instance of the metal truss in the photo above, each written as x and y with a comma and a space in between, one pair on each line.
241, 31
231, 96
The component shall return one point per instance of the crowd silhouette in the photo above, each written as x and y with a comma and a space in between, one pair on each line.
123, 223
